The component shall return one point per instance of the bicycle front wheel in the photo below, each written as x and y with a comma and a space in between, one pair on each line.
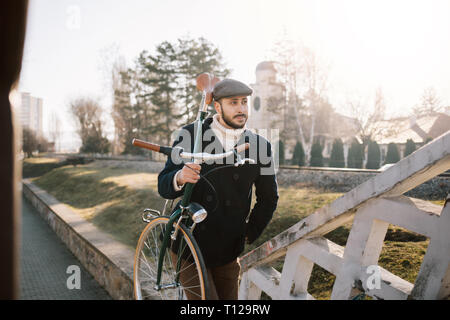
183, 274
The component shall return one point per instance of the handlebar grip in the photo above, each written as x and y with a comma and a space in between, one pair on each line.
242, 147
146, 145
152, 146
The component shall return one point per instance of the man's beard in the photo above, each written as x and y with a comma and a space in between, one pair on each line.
233, 125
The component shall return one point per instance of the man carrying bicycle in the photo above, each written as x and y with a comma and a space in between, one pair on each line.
226, 193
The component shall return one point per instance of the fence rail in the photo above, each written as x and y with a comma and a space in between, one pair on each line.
372, 206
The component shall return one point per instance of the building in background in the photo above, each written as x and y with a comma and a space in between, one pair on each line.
265, 88
267, 91
419, 129
30, 112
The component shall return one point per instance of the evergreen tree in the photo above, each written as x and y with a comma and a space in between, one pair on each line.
316, 155
95, 144
355, 155
130, 112
409, 148
373, 155
195, 56
281, 159
159, 93
298, 157
392, 155
337, 159
158, 73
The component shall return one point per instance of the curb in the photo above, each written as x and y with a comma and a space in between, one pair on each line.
107, 260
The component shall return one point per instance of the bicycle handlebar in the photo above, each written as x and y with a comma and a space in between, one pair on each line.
146, 145
152, 146
203, 156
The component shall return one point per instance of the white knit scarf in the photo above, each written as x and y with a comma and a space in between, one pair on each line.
228, 137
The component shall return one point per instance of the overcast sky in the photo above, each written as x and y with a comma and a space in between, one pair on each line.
401, 46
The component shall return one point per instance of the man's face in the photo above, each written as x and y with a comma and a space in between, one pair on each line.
233, 111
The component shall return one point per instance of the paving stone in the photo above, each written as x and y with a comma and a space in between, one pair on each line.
44, 260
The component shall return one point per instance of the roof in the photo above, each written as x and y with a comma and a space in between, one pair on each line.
265, 65
399, 130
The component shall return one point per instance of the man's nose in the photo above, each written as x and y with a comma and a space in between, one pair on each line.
243, 106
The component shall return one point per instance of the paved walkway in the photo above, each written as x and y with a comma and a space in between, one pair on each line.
44, 260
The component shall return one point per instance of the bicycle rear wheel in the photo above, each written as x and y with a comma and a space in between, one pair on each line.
180, 278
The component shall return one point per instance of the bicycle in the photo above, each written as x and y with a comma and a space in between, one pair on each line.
182, 273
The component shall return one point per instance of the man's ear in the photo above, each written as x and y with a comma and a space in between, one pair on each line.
217, 107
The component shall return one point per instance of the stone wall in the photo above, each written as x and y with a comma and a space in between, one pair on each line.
333, 179
344, 180
107, 260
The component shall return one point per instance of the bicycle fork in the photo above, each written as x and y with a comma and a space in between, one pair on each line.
164, 246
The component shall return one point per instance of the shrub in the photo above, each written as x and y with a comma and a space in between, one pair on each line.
281, 152
337, 159
298, 157
392, 155
373, 155
316, 155
355, 155
409, 148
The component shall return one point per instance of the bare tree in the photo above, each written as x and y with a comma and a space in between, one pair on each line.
112, 65
430, 103
29, 142
87, 113
55, 130
121, 99
315, 80
305, 79
379, 106
368, 119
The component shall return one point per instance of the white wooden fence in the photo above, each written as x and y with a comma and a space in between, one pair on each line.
372, 206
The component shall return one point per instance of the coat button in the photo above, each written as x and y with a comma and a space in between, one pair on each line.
235, 176
209, 198
227, 203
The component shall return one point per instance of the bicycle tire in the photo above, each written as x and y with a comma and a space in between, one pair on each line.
146, 264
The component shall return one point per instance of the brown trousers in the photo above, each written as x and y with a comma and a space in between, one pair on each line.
223, 280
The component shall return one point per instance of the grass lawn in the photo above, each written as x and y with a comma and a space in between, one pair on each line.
35, 167
114, 198
40, 160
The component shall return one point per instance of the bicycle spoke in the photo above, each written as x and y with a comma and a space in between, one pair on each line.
193, 292
150, 249
190, 279
186, 268
149, 275
185, 265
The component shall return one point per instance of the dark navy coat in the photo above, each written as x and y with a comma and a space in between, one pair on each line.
221, 236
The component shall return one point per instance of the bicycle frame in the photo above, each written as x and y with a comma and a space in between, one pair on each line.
186, 196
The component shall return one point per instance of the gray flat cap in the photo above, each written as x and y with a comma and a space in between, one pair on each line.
230, 88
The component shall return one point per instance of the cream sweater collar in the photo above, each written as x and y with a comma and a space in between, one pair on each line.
228, 137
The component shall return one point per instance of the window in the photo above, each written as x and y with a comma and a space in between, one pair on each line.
257, 103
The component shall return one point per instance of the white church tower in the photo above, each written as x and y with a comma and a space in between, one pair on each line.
266, 87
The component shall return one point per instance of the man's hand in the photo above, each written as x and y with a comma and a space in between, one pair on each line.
189, 173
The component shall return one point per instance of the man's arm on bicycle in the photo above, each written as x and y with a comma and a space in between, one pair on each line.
167, 187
